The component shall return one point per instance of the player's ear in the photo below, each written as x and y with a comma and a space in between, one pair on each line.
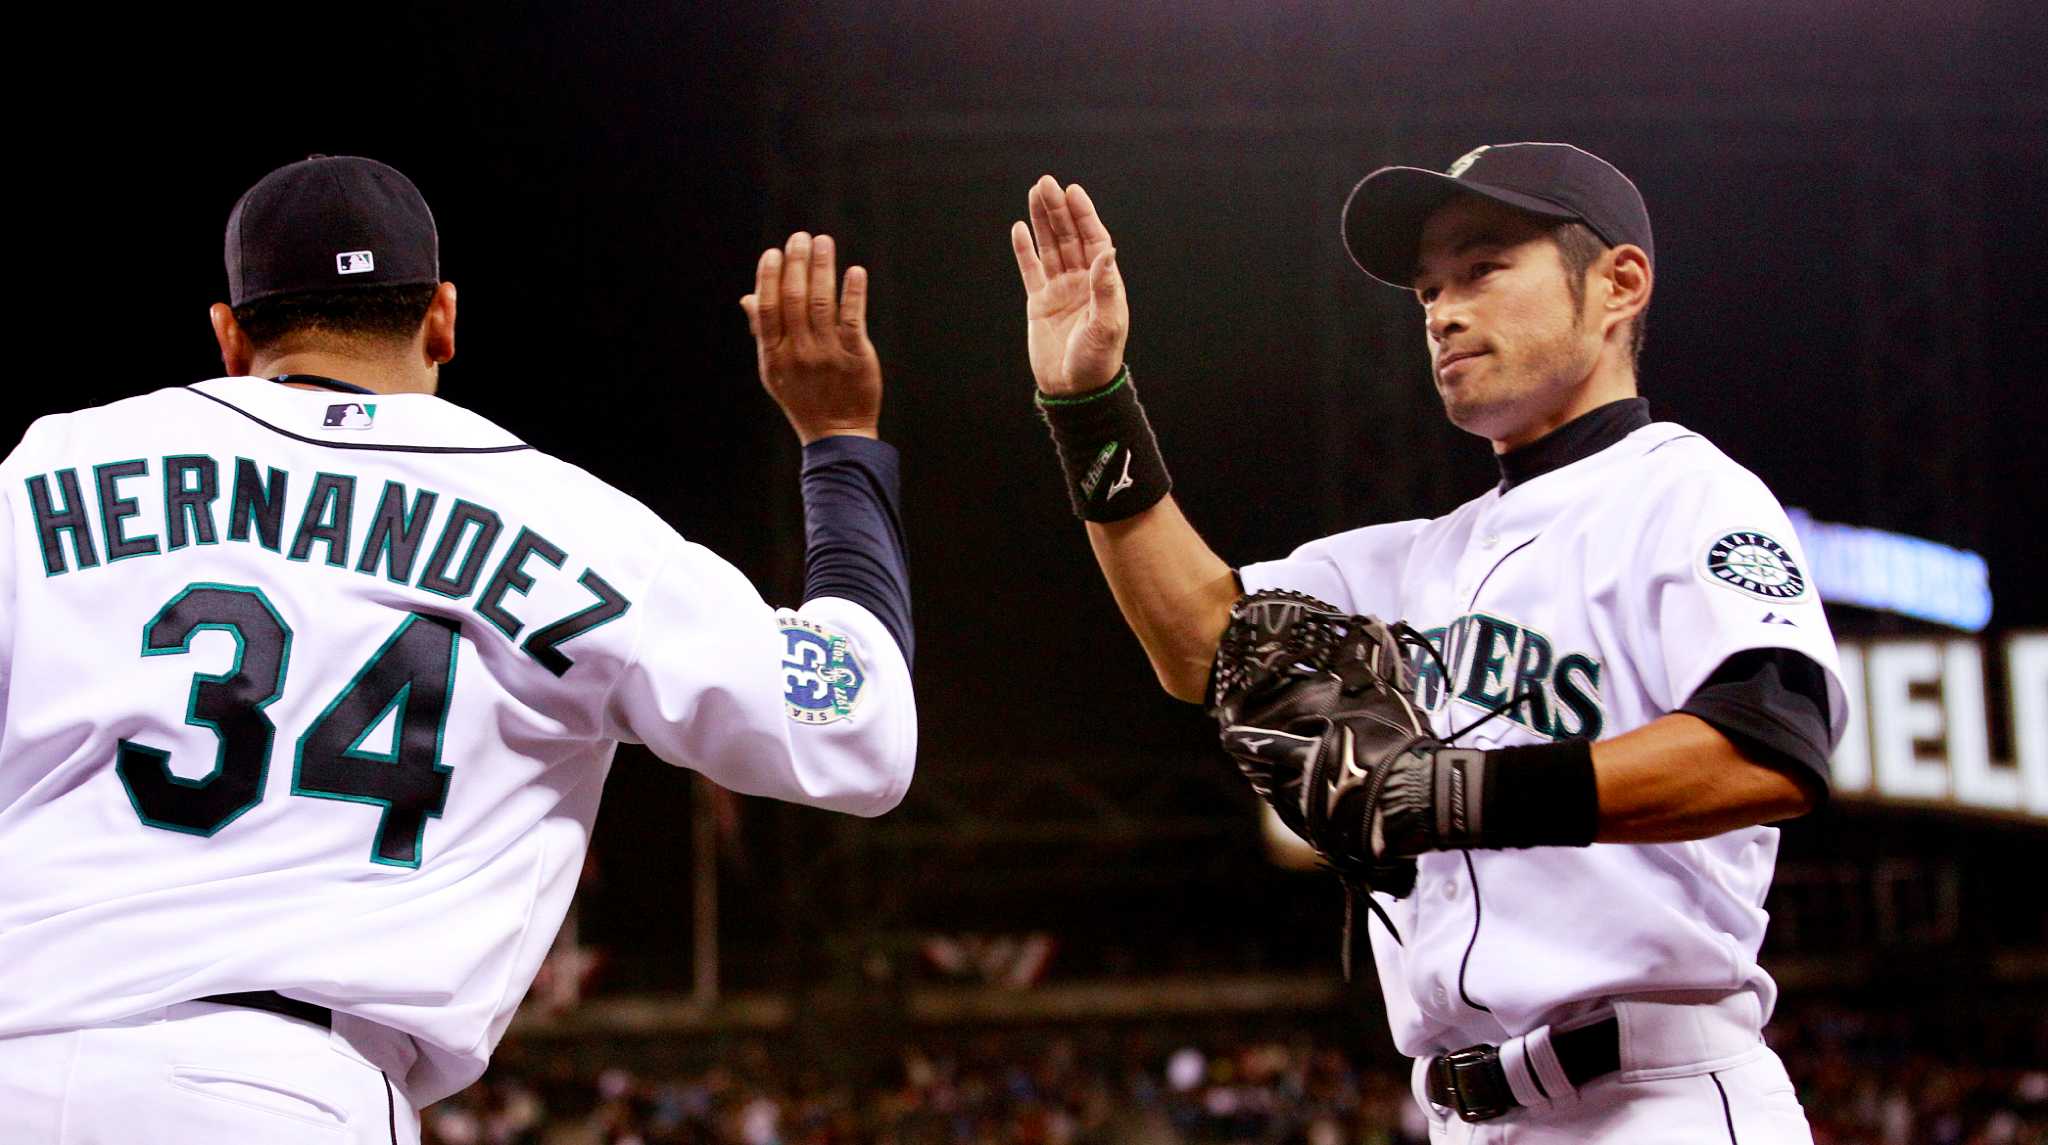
235, 352
1629, 281
439, 328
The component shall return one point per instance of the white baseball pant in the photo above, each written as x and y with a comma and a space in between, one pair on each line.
197, 1074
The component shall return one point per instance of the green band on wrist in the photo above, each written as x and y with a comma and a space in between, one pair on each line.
1123, 377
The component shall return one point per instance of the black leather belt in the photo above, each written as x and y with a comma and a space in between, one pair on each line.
1472, 1082
275, 1003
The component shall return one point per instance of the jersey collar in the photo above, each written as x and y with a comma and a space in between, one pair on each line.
401, 423
324, 383
1575, 440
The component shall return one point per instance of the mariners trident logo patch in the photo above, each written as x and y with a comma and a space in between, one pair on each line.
821, 677
1754, 563
1465, 161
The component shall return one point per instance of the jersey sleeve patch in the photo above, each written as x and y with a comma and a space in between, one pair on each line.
1754, 563
822, 678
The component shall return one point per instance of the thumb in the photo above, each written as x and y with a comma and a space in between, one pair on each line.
1108, 317
753, 317
1103, 280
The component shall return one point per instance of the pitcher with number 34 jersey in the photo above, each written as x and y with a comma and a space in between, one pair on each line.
312, 680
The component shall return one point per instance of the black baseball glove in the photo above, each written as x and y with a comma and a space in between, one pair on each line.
1317, 707
1318, 710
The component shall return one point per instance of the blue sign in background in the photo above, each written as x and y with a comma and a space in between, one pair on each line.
1893, 572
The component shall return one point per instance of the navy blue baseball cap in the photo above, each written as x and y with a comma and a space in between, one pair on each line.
330, 222
1384, 216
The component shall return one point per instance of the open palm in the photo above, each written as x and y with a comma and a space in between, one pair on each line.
811, 341
1075, 310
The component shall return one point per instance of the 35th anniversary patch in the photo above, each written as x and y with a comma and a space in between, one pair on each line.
821, 677
1756, 564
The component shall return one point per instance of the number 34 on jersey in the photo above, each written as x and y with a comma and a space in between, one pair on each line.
405, 686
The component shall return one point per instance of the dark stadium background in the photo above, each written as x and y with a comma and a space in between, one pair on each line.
1852, 284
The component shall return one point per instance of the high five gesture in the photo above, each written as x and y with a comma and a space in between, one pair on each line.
811, 340
1174, 592
1074, 296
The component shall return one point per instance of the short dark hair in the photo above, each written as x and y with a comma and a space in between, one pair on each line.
1579, 246
365, 313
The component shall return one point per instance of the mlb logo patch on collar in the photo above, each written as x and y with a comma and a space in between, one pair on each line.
350, 415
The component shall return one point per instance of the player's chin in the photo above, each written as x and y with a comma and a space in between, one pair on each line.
1470, 410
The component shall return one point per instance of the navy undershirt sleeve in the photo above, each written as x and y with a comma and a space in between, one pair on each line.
1773, 702
853, 530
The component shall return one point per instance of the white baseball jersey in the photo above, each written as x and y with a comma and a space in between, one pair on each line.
1606, 591
316, 693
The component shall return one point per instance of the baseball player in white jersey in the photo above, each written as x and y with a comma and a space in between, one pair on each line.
311, 681
1616, 666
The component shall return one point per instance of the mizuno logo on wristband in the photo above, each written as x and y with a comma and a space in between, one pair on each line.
1121, 483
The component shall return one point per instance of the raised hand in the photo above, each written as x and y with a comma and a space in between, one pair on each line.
811, 342
1075, 309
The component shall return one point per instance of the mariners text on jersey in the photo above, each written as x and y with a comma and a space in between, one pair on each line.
1499, 665
334, 521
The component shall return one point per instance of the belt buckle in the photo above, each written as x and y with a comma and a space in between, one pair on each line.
1473, 1077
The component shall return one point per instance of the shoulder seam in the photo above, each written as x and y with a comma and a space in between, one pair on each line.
1687, 436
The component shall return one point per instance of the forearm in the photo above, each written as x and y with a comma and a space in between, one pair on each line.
853, 530
1174, 592
1677, 778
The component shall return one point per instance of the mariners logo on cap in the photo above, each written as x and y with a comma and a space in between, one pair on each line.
350, 415
821, 678
1754, 563
1466, 160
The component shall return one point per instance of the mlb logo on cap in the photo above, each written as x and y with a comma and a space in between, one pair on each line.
350, 415
307, 225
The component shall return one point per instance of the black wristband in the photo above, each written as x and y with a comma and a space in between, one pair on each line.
1449, 798
1540, 795
1112, 461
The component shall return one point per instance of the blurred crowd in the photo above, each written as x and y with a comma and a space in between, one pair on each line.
1869, 1077
1862, 1078
1023, 1089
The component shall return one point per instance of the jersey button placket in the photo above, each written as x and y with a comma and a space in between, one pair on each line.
1473, 565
